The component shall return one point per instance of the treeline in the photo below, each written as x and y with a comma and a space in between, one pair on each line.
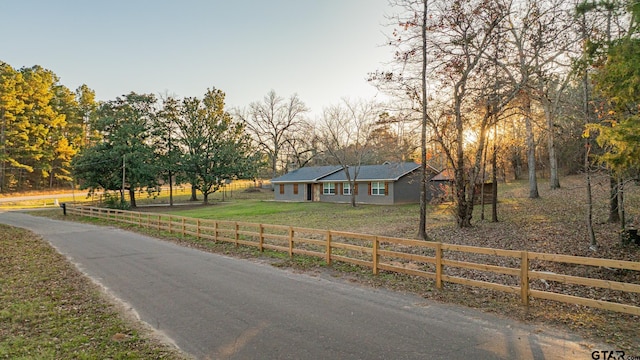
43, 124
514, 79
52, 137
145, 142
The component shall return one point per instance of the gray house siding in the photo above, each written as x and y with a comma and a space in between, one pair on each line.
363, 196
399, 184
288, 193
407, 189
383, 199
338, 197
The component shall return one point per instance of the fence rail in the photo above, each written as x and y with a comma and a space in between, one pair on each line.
425, 259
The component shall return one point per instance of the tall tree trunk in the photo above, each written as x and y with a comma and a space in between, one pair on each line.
476, 172
205, 197
353, 193
170, 188
352, 185
593, 245
484, 174
194, 193
494, 177
554, 179
461, 190
625, 236
274, 166
623, 218
422, 228
132, 197
614, 215
461, 185
531, 149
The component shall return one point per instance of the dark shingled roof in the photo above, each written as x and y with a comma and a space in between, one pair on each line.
306, 174
384, 172
444, 175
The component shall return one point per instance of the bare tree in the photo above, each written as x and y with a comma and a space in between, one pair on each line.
345, 134
541, 33
468, 37
300, 148
531, 145
424, 177
409, 39
273, 123
584, 76
465, 76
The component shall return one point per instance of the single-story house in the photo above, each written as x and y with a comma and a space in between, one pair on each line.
389, 183
301, 184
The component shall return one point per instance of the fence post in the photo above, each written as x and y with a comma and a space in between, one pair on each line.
328, 259
198, 228
438, 265
215, 231
158, 222
290, 241
375, 256
183, 227
237, 236
170, 223
261, 240
524, 278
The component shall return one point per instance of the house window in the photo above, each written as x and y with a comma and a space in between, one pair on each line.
377, 188
346, 189
281, 189
329, 188
295, 189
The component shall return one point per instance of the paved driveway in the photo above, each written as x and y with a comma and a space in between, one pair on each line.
216, 307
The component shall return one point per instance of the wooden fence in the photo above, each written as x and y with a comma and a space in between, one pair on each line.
438, 261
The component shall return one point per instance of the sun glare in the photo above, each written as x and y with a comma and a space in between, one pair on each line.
470, 137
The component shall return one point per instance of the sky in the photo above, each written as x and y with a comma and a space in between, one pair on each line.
321, 50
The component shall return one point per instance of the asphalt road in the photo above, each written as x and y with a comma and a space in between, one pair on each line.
216, 307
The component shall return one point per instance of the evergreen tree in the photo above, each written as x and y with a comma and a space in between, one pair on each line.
218, 149
126, 151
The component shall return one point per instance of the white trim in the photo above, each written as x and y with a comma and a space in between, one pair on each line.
329, 188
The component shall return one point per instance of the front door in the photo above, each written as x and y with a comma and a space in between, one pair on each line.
309, 192
317, 190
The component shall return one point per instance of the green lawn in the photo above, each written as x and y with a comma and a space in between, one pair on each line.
388, 220
311, 215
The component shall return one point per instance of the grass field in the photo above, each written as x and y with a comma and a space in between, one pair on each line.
558, 218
